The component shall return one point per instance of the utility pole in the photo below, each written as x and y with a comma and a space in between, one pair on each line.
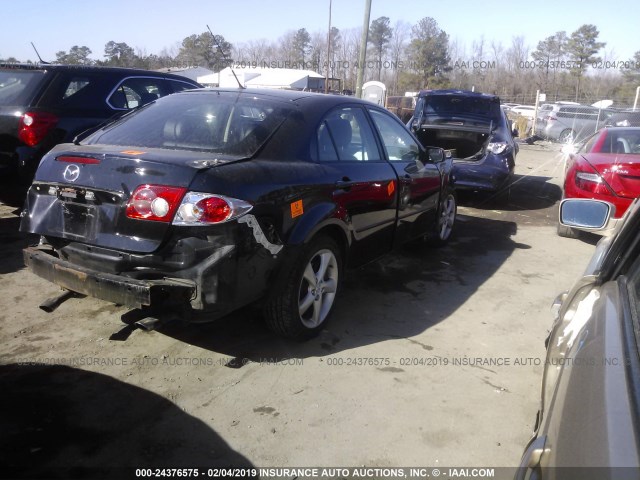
363, 48
326, 75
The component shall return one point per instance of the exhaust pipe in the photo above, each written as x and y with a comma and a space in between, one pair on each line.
52, 303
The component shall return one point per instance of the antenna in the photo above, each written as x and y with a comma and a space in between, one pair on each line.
224, 55
39, 57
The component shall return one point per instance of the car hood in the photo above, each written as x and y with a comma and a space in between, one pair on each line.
86, 202
620, 171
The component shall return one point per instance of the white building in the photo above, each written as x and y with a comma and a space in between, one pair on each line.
280, 78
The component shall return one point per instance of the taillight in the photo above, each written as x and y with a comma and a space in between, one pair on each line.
154, 202
34, 126
588, 179
497, 147
206, 209
74, 159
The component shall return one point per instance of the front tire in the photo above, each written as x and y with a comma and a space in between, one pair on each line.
302, 303
567, 232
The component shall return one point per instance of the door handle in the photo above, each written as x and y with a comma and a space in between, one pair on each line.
407, 179
345, 183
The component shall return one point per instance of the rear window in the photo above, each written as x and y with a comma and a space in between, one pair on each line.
231, 124
452, 105
17, 87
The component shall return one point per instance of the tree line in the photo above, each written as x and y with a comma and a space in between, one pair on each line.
408, 57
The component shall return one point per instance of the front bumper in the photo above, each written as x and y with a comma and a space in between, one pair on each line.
117, 289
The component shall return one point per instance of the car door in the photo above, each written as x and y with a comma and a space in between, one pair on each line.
364, 188
419, 179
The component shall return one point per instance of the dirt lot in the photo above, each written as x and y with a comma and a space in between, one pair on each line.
432, 358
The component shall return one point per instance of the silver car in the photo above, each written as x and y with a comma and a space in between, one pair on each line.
568, 123
588, 423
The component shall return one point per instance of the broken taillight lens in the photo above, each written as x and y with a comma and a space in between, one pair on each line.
205, 209
34, 127
154, 202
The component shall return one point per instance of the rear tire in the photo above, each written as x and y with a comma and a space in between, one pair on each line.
566, 136
443, 228
567, 232
302, 302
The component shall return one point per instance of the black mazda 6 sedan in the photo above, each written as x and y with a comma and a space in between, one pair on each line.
209, 200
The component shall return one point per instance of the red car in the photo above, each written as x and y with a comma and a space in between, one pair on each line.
606, 167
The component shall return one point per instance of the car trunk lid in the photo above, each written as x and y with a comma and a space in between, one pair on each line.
620, 171
80, 193
461, 122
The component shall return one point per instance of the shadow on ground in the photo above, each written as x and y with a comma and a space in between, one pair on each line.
526, 192
400, 296
61, 422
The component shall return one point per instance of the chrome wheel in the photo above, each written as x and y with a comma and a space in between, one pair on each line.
318, 288
447, 217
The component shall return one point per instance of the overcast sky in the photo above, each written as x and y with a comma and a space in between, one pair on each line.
55, 25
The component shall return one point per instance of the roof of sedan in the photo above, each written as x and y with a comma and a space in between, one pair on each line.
281, 94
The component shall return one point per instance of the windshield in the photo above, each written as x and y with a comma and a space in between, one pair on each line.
17, 86
225, 123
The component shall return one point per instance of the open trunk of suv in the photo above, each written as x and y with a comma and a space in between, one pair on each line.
463, 142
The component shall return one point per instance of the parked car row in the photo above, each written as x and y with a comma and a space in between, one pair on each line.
205, 201
567, 122
44, 105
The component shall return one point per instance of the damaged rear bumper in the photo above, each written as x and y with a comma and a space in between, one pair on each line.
117, 289
490, 174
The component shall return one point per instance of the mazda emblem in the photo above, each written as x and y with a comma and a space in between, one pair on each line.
71, 173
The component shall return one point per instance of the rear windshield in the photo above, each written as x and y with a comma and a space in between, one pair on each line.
458, 105
18, 86
226, 123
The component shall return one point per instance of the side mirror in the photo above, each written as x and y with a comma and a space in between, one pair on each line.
585, 213
437, 155
515, 132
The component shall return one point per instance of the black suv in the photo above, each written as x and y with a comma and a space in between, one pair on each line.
44, 105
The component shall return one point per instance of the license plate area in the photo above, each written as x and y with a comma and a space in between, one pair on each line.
78, 220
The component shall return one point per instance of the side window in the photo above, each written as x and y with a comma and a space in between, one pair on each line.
74, 91
326, 150
398, 143
135, 92
588, 146
178, 86
75, 85
345, 135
